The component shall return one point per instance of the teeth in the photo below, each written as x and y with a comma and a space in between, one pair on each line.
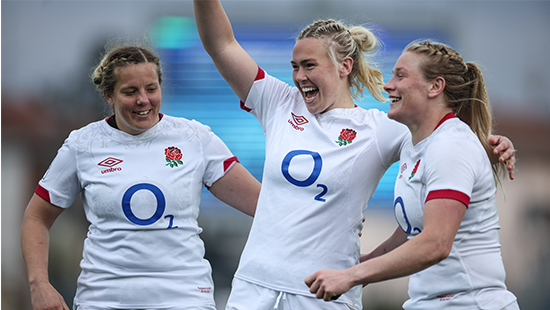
394, 99
142, 113
307, 89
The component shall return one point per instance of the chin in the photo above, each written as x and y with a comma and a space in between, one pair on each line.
312, 109
391, 114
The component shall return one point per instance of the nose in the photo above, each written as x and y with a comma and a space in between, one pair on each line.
389, 85
142, 98
301, 75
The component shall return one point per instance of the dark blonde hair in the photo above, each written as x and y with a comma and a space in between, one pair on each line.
357, 42
464, 90
104, 76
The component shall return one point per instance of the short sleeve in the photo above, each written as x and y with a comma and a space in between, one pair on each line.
218, 158
390, 136
60, 185
451, 166
266, 95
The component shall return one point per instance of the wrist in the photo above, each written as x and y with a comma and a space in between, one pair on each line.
36, 281
356, 276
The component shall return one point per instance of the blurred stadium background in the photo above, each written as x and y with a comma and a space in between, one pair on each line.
49, 48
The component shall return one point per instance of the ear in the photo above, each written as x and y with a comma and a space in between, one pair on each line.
109, 99
345, 67
436, 87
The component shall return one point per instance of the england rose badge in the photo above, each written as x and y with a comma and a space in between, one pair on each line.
346, 136
173, 156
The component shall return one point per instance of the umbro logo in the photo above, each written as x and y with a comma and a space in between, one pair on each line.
403, 168
110, 162
297, 121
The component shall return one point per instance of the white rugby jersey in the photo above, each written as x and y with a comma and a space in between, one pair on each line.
141, 195
451, 163
319, 173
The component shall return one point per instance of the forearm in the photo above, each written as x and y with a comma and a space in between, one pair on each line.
235, 65
442, 218
413, 256
35, 237
396, 239
34, 245
35, 241
213, 25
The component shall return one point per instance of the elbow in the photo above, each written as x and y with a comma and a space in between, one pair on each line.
437, 249
441, 250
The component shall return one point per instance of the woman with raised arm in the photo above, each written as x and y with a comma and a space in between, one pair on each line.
324, 157
445, 204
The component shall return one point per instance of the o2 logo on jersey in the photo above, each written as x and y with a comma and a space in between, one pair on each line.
159, 211
401, 215
317, 166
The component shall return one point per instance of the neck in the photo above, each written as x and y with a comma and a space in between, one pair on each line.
428, 126
343, 102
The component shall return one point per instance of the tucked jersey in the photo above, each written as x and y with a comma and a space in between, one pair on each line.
320, 171
141, 195
451, 163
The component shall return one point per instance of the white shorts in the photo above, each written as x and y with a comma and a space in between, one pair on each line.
206, 307
248, 296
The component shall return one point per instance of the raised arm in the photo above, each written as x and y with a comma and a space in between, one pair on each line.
235, 65
39, 217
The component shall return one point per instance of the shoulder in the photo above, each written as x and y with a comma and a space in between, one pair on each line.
454, 132
185, 126
88, 130
384, 126
275, 86
456, 141
379, 117
187, 123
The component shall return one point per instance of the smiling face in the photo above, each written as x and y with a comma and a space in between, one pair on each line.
136, 98
323, 85
408, 90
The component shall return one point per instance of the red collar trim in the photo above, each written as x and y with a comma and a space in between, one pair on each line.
446, 117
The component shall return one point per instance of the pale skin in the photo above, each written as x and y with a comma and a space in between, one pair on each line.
137, 90
420, 105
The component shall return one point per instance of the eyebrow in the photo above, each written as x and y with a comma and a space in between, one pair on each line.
302, 61
156, 84
398, 70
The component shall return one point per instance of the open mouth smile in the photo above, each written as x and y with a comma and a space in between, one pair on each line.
395, 99
310, 93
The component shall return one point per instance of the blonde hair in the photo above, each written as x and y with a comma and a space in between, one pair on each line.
464, 90
358, 43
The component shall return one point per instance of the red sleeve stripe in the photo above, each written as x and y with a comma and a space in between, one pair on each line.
43, 193
229, 162
449, 194
259, 76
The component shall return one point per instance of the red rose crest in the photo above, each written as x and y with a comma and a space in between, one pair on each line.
414, 169
346, 136
173, 156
